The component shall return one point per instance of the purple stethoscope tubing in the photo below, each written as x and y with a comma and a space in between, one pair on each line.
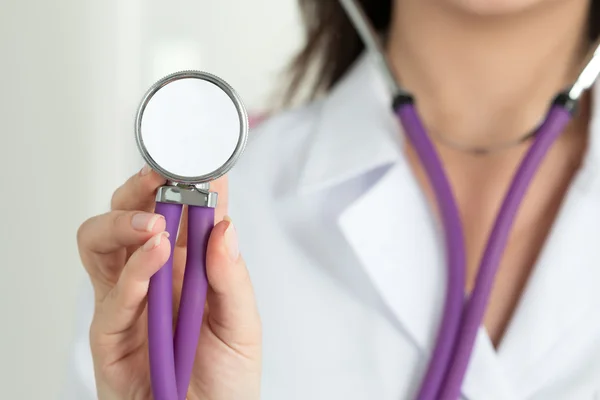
458, 329
172, 359
454, 240
557, 119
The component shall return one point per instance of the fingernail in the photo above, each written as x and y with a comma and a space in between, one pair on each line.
155, 241
231, 240
145, 170
144, 221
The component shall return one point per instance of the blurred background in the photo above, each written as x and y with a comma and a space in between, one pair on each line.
72, 74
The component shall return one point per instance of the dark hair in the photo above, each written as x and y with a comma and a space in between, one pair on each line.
332, 44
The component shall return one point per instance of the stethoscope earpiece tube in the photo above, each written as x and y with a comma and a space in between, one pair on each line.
457, 332
557, 119
455, 246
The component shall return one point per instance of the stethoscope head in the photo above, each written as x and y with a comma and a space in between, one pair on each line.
191, 127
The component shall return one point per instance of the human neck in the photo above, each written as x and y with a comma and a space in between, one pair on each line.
485, 79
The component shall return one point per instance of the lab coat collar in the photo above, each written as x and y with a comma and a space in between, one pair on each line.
356, 131
371, 137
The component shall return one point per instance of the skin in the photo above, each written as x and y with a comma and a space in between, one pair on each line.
229, 350
470, 64
484, 72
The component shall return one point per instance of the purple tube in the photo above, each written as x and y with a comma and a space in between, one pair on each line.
193, 296
558, 117
160, 315
455, 251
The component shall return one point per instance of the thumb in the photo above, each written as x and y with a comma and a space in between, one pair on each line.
233, 315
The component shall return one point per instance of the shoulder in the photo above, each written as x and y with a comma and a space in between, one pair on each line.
266, 173
283, 131
275, 148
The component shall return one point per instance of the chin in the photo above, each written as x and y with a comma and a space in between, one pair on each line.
495, 7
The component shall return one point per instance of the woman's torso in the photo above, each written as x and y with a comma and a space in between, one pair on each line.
349, 272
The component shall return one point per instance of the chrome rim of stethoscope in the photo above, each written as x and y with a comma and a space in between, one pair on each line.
237, 152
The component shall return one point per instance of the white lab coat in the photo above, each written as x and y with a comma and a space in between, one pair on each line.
348, 266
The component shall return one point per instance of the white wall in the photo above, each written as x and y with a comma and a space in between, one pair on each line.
72, 73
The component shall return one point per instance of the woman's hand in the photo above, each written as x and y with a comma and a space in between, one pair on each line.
121, 250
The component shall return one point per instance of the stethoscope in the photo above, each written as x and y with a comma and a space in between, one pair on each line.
191, 127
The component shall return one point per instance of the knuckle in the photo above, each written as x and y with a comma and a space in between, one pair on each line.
123, 192
95, 331
83, 232
97, 336
84, 245
118, 220
115, 199
80, 234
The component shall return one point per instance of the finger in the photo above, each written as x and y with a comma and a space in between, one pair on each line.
114, 230
124, 304
233, 314
221, 186
138, 192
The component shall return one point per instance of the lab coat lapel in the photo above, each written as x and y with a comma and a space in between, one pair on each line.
561, 298
392, 232
388, 225
561, 301
486, 378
